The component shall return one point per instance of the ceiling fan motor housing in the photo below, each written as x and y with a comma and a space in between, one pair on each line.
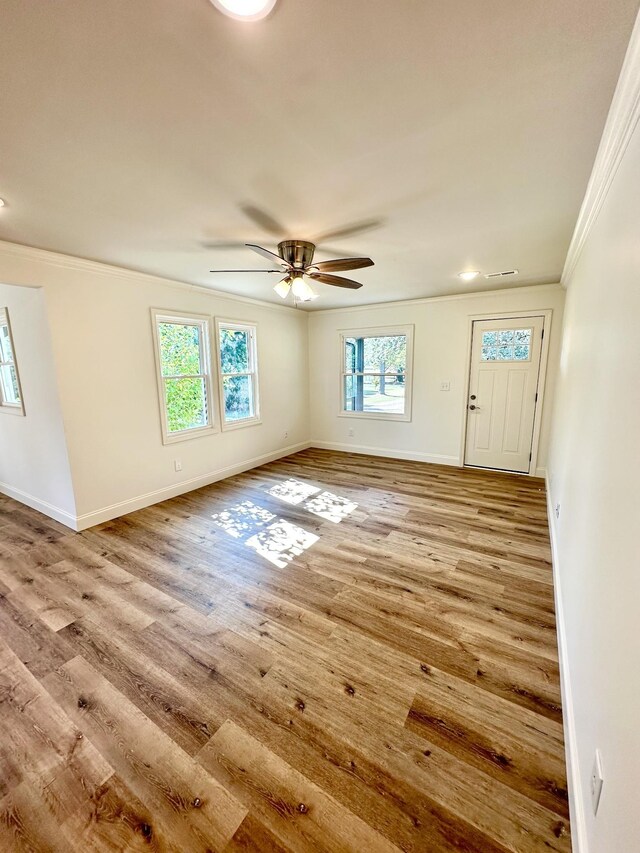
299, 253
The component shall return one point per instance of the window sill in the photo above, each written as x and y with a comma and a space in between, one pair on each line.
245, 422
188, 434
12, 410
376, 416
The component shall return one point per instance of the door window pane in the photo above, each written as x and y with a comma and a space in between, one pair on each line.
489, 353
506, 345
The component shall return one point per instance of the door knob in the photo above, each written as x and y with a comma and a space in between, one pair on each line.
474, 408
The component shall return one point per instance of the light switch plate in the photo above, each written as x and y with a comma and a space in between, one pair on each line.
445, 386
597, 781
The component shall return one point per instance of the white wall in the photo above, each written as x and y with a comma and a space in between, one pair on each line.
34, 465
441, 341
594, 474
103, 348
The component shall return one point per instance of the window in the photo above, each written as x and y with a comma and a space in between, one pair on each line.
376, 373
238, 366
10, 393
506, 345
184, 375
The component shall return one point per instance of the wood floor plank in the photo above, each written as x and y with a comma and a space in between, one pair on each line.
293, 809
44, 753
520, 750
330, 652
192, 810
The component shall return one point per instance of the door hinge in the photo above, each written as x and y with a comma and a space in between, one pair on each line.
542, 335
529, 457
536, 400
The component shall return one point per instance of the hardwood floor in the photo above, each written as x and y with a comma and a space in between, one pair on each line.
328, 653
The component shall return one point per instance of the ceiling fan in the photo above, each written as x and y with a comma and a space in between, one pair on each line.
295, 262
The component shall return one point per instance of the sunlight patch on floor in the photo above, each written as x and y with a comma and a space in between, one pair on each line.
242, 519
293, 491
326, 505
276, 539
281, 542
330, 506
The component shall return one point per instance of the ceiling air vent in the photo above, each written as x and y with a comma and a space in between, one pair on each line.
500, 274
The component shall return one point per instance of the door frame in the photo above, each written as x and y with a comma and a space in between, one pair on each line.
540, 387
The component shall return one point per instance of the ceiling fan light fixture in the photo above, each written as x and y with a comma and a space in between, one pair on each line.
245, 10
301, 290
468, 275
283, 287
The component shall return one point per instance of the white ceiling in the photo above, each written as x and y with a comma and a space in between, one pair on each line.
131, 132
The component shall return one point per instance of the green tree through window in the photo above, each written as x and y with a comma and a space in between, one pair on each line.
238, 372
183, 351
375, 372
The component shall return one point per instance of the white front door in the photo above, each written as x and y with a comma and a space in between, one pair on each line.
505, 363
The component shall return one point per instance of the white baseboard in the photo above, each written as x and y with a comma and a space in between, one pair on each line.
409, 455
574, 778
44, 507
107, 513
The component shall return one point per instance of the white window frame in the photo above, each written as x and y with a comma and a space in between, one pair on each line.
377, 332
203, 321
7, 406
252, 330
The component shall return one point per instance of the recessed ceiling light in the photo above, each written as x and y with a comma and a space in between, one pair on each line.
468, 274
1, 202
245, 10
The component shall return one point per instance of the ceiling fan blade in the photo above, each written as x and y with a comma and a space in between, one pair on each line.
270, 256
278, 271
336, 280
264, 220
343, 264
349, 230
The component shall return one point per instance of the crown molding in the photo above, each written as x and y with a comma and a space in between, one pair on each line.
429, 300
619, 127
71, 262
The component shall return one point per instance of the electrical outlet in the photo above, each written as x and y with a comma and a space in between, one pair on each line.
557, 510
177, 464
286, 433
350, 433
597, 781
445, 386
